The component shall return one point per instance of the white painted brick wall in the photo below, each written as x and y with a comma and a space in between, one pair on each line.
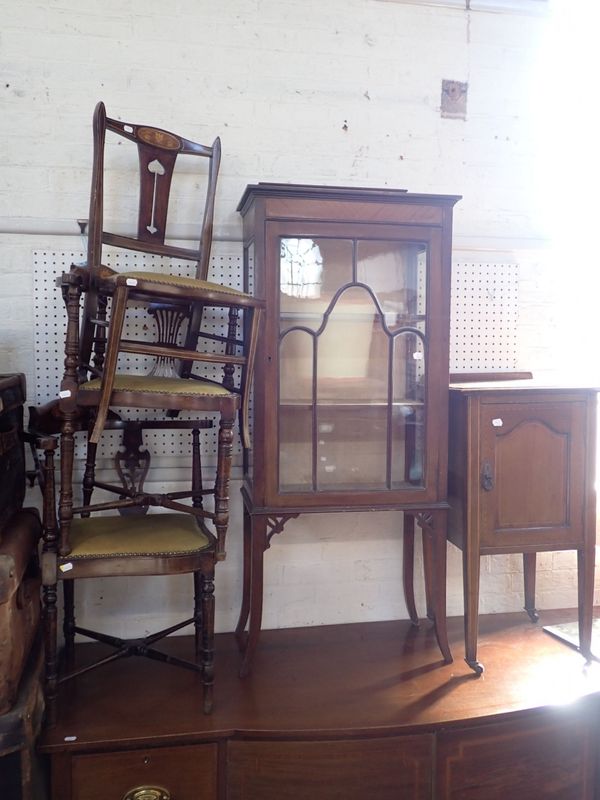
280, 81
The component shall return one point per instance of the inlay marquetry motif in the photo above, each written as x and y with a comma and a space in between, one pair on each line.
156, 169
159, 138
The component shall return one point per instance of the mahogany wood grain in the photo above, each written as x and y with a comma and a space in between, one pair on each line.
549, 756
521, 480
272, 212
379, 769
345, 711
188, 773
306, 681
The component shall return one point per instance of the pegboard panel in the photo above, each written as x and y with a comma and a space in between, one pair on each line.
49, 332
484, 316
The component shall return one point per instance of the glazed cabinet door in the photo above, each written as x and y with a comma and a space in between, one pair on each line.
532, 465
355, 351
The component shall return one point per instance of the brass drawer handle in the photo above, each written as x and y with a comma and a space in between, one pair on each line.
147, 793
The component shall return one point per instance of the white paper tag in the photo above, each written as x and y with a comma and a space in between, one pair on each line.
66, 567
418, 356
65, 393
497, 423
70, 738
131, 281
325, 427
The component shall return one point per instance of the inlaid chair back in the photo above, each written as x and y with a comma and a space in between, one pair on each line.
158, 151
157, 154
176, 302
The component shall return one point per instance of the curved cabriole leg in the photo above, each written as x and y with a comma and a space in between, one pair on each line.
429, 578
208, 636
529, 560
408, 566
434, 540
246, 583
258, 545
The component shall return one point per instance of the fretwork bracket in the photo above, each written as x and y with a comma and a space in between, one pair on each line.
276, 524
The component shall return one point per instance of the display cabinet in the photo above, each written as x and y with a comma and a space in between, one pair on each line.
351, 381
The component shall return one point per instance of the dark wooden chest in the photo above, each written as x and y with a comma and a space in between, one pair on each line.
19, 535
12, 454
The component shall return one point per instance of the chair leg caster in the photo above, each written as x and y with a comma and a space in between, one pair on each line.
532, 614
476, 666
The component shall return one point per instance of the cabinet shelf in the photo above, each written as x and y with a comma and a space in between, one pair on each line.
352, 404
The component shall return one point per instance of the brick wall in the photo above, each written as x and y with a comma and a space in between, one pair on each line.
304, 91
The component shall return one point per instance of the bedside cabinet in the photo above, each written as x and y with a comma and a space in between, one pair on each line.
521, 480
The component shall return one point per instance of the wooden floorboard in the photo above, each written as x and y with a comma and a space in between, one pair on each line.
329, 681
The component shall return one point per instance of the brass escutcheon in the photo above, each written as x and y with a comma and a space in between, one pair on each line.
147, 793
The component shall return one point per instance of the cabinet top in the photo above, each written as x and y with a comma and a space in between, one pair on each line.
352, 193
509, 387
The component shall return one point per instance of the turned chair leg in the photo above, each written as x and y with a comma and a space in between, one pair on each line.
225, 450
198, 617
208, 636
50, 655
89, 476
69, 622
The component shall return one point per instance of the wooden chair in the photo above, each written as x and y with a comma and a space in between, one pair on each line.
81, 544
115, 545
172, 298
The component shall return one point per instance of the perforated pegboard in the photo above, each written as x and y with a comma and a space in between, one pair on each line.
49, 333
484, 316
485, 309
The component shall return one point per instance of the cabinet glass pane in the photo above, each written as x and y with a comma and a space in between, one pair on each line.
396, 272
351, 364
408, 412
352, 391
295, 412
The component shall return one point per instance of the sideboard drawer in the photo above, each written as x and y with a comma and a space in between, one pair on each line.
186, 773
378, 769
